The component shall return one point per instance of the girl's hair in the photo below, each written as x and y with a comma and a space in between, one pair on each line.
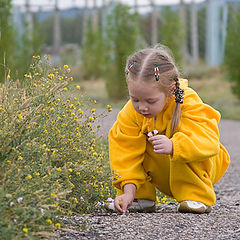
142, 66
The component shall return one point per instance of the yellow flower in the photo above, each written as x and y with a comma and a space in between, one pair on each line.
58, 225
75, 200
20, 158
51, 76
25, 230
20, 116
37, 174
29, 177
71, 79
70, 170
49, 221
59, 169
66, 66
91, 118
78, 87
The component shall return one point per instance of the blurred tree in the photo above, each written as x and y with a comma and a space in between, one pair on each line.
6, 38
232, 50
171, 34
16, 52
122, 34
93, 53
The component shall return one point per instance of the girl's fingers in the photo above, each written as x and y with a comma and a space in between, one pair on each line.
118, 205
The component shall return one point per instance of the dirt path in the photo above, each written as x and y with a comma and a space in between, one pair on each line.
222, 223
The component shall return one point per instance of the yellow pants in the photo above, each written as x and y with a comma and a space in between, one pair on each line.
183, 181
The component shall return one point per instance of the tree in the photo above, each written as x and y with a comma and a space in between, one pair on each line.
232, 51
171, 34
16, 52
6, 38
122, 35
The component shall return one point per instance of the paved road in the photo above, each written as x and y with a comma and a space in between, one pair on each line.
223, 223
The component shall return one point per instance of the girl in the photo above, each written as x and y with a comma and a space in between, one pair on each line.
165, 137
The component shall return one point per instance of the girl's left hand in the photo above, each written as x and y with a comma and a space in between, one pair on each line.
161, 144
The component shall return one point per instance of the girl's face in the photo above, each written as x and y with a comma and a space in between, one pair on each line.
146, 98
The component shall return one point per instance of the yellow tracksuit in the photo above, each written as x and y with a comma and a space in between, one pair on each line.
198, 161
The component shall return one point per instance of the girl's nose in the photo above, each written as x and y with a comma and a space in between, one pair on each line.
142, 107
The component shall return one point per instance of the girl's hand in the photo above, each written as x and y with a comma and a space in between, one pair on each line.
122, 202
161, 144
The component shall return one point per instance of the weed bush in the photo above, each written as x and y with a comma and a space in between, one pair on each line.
50, 160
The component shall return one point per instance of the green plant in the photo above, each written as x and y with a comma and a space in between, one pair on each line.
93, 56
6, 37
122, 33
50, 160
232, 52
170, 32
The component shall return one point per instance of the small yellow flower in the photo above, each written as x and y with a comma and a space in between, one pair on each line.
71, 79
8, 162
58, 225
20, 158
25, 230
91, 119
70, 170
51, 76
20, 116
66, 66
19, 170
59, 169
75, 200
53, 195
37, 174
78, 87
29, 177
49, 221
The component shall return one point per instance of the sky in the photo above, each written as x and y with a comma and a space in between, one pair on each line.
80, 3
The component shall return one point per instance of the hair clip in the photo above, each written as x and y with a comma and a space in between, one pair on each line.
129, 67
156, 72
179, 95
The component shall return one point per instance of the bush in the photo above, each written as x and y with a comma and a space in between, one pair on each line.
232, 52
50, 161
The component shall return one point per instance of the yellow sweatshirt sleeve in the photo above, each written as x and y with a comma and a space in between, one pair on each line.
198, 136
127, 146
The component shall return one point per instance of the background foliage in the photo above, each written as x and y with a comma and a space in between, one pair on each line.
232, 52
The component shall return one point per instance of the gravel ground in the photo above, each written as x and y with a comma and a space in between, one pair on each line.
166, 223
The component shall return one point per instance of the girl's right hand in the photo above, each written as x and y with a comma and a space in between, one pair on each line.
122, 202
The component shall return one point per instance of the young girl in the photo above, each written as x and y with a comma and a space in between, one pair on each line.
165, 137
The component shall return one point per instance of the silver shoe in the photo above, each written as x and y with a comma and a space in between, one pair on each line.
138, 205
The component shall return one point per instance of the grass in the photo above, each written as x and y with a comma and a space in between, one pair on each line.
211, 87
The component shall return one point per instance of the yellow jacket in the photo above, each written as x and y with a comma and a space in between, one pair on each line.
196, 139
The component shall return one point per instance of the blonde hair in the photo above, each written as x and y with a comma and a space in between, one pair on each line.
141, 66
